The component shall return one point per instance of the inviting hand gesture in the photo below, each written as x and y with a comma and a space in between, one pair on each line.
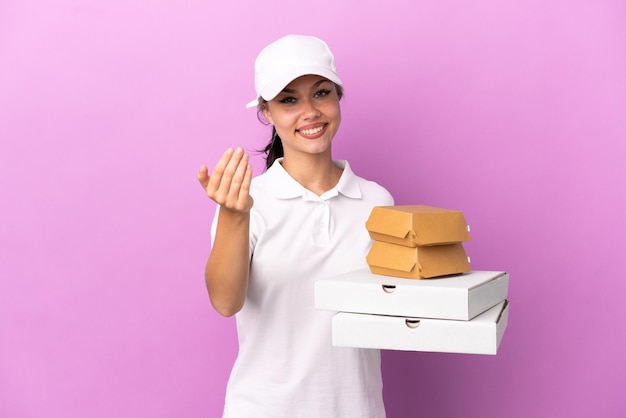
229, 183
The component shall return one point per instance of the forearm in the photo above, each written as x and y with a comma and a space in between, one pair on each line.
227, 269
228, 265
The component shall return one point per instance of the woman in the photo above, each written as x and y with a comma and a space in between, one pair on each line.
274, 235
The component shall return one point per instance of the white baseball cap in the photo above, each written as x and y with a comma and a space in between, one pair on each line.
288, 58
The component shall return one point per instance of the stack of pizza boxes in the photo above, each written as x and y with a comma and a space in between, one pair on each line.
419, 292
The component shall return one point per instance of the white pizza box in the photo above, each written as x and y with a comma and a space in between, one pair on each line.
460, 297
481, 335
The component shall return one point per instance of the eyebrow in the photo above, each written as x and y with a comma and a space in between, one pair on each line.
313, 87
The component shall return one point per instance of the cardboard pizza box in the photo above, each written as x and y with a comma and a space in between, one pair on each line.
481, 335
461, 297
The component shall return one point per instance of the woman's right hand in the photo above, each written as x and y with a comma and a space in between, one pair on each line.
229, 183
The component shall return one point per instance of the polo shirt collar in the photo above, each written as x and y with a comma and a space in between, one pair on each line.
288, 188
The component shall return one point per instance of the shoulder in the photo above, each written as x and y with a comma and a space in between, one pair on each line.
374, 192
260, 181
370, 190
273, 178
265, 182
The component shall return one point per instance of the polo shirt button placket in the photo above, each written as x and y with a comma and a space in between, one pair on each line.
322, 224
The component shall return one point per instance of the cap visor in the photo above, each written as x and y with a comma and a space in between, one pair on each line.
272, 89
253, 103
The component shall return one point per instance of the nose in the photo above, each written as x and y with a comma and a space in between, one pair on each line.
309, 109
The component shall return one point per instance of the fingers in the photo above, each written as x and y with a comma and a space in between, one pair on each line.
229, 183
215, 179
236, 171
203, 176
227, 170
247, 179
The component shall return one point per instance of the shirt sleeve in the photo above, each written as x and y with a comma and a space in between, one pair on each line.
252, 229
214, 224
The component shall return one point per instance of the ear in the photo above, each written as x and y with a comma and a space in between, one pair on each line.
268, 114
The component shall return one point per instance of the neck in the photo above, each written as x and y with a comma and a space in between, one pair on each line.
316, 173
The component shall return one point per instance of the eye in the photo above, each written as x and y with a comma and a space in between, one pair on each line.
287, 100
322, 93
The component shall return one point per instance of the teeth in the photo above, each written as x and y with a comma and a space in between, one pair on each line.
312, 131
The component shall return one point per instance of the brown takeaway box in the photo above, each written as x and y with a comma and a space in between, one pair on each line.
414, 225
420, 262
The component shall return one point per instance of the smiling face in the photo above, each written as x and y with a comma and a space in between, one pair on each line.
306, 115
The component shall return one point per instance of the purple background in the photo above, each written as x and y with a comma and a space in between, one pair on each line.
513, 112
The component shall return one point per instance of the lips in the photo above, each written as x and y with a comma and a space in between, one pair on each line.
312, 132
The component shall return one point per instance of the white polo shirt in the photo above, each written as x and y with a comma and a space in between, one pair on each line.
287, 366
